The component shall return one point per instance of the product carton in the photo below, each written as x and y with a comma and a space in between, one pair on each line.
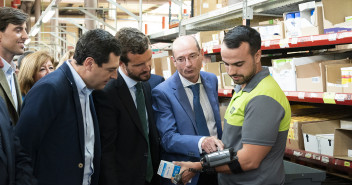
334, 77
343, 144
335, 11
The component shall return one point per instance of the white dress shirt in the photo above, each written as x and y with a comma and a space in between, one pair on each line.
9, 71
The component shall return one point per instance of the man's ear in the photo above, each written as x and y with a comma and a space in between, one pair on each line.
258, 56
88, 63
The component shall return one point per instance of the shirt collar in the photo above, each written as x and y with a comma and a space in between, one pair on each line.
186, 82
81, 86
8, 68
254, 81
129, 81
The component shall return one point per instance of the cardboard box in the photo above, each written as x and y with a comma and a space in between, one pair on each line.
227, 81
204, 6
335, 11
326, 144
343, 143
214, 67
333, 77
168, 169
208, 39
157, 67
311, 77
311, 130
346, 123
284, 72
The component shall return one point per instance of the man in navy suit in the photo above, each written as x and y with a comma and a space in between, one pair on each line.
188, 127
155, 80
58, 125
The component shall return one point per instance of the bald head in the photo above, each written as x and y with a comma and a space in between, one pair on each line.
183, 41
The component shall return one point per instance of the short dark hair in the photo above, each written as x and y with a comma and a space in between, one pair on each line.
133, 41
239, 34
11, 16
97, 44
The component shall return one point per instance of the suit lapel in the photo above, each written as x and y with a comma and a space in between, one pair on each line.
181, 96
19, 96
77, 105
5, 86
127, 101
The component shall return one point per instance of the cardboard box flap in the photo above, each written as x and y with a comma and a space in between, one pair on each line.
342, 143
335, 11
308, 70
333, 73
323, 127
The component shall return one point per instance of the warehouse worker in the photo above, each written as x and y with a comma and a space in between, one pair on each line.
257, 119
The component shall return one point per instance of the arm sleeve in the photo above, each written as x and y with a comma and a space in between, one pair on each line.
262, 120
171, 139
107, 117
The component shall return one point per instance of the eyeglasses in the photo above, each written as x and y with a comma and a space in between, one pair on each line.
192, 57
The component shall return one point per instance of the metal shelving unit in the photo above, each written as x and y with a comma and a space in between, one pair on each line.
228, 17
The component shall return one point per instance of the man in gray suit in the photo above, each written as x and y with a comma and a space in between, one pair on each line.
12, 37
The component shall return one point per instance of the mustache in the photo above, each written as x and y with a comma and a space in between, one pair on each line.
236, 75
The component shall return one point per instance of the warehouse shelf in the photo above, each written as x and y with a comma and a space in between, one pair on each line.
228, 17
298, 42
318, 159
310, 97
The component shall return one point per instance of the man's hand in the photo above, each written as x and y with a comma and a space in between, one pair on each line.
212, 144
185, 166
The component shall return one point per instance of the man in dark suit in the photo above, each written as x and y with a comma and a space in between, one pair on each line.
188, 127
15, 164
130, 143
12, 37
58, 125
155, 80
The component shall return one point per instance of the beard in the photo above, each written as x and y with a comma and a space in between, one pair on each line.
140, 77
245, 79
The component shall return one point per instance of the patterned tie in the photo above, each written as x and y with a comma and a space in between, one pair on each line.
198, 112
142, 115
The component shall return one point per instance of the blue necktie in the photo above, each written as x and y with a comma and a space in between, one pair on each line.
198, 112
142, 116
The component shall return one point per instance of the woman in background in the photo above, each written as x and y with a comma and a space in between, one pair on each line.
68, 55
34, 67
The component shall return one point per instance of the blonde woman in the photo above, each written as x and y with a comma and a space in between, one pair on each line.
68, 55
34, 67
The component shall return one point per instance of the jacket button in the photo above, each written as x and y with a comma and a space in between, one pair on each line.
80, 165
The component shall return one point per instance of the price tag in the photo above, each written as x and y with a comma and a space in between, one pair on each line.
340, 97
210, 49
267, 43
347, 164
329, 97
313, 95
332, 37
284, 43
294, 40
298, 154
308, 155
324, 159
225, 92
301, 95
316, 157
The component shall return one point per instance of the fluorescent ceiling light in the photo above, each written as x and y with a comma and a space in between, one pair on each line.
27, 41
34, 31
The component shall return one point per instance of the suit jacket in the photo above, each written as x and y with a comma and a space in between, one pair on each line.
5, 93
155, 80
15, 164
124, 146
51, 129
175, 118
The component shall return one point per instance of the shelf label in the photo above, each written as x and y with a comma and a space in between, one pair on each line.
313, 95
340, 97
298, 154
324, 159
267, 43
225, 92
316, 157
286, 93
284, 43
301, 95
294, 40
308, 155
329, 97
332, 37
347, 164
